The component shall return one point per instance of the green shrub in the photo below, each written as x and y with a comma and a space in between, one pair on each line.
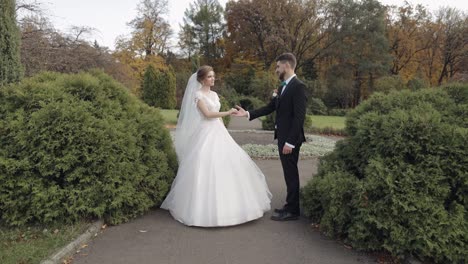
389, 83
239, 78
263, 85
159, 87
307, 122
149, 86
329, 131
399, 182
316, 106
80, 146
250, 102
225, 106
416, 84
268, 122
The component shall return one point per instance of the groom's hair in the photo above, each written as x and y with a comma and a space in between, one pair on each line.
203, 72
289, 58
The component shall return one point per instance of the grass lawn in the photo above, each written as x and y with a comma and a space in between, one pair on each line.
32, 244
170, 116
336, 122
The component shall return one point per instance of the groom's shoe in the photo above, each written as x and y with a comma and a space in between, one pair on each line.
284, 216
279, 210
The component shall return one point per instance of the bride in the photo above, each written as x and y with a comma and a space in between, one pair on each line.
217, 183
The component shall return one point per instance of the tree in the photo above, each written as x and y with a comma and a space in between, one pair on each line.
264, 29
362, 55
11, 69
151, 31
187, 40
407, 32
159, 87
43, 48
203, 30
455, 45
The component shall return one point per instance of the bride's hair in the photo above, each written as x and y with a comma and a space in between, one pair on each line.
203, 72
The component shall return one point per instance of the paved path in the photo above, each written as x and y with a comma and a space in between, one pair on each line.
242, 123
157, 238
165, 240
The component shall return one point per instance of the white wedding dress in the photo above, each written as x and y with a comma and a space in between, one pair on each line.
217, 183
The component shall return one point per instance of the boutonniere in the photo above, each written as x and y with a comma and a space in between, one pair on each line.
275, 93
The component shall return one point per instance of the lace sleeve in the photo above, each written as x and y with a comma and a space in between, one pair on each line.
198, 96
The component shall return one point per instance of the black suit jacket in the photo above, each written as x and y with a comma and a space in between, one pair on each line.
290, 110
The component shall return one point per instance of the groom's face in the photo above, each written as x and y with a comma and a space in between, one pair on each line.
280, 70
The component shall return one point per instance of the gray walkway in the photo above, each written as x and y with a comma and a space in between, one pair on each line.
157, 238
242, 123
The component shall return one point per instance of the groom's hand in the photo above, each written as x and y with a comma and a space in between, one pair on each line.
240, 112
232, 111
287, 150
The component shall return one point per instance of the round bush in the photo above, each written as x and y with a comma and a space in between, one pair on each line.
79, 146
389, 83
317, 107
399, 182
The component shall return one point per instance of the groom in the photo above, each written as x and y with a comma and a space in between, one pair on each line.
290, 107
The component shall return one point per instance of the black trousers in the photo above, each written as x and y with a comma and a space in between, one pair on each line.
291, 177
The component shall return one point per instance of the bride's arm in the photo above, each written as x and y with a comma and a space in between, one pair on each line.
208, 114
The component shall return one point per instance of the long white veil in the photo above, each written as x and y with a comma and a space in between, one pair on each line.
189, 118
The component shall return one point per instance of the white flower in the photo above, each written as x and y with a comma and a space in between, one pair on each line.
275, 93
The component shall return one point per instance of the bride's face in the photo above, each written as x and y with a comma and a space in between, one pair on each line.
209, 79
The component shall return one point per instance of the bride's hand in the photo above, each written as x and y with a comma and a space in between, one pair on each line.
240, 112
232, 111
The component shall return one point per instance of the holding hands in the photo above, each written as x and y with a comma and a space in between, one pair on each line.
240, 112
232, 111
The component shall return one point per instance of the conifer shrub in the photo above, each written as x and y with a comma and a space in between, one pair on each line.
225, 106
399, 182
80, 146
159, 87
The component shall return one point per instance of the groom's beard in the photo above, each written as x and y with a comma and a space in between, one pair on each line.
281, 76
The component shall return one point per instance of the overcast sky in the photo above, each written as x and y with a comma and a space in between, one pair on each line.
110, 17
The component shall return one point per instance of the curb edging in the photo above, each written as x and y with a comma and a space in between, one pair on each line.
71, 248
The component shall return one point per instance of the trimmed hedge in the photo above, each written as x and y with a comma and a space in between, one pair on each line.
80, 146
399, 182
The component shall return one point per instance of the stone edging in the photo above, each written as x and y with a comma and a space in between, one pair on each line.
71, 248
255, 131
